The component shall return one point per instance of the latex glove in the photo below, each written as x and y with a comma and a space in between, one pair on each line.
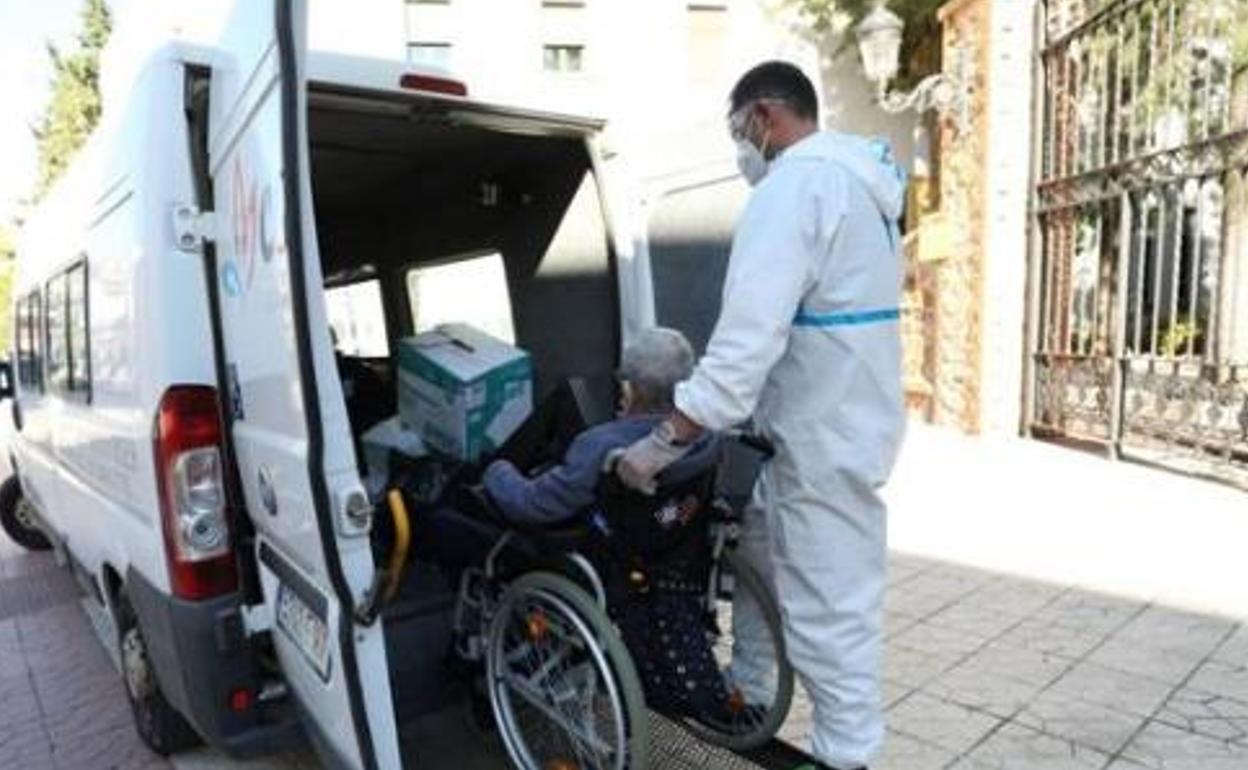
647, 457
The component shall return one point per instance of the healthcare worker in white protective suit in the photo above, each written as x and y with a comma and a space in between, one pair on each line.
807, 344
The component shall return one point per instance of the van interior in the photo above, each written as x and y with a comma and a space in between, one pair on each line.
430, 210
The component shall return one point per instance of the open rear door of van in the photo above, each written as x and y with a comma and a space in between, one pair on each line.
289, 427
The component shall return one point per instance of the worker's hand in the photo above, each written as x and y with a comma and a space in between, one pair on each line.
646, 459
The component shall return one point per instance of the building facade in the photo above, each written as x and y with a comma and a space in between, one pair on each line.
1084, 276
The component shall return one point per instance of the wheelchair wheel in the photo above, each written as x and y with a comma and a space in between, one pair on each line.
562, 685
758, 708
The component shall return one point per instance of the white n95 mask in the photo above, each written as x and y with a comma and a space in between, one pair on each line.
750, 162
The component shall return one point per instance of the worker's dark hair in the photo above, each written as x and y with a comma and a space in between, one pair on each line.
777, 80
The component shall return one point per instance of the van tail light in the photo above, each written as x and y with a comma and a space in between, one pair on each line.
413, 81
193, 497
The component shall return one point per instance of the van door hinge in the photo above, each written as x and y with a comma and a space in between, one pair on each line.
257, 618
192, 227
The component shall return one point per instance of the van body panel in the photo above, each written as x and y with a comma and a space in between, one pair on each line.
290, 434
86, 457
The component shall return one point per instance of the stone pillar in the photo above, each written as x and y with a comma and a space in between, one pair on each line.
957, 273
972, 253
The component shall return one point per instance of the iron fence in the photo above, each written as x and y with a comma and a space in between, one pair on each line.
1142, 209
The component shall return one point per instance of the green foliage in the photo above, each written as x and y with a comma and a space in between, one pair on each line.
920, 45
1176, 337
7, 248
1239, 47
74, 104
7, 245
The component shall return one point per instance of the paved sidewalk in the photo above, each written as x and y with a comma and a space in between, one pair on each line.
1047, 610
61, 703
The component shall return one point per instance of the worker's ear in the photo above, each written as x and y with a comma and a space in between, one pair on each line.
626, 397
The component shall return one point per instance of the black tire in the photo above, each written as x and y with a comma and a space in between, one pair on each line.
158, 724
601, 640
762, 730
17, 519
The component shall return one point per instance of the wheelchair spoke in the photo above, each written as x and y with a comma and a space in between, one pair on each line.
539, 700
564, 705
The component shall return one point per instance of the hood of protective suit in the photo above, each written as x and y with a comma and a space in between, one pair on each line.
870, 160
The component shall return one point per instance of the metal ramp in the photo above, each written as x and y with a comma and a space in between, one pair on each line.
674, 748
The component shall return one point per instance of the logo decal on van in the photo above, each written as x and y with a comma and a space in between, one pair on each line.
250, 214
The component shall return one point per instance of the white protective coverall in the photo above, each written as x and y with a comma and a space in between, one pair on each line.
807, 342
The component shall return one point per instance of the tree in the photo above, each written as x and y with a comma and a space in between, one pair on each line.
920, 46
74, 107
7, 248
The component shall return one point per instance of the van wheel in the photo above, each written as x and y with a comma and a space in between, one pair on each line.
159, 725
17, 516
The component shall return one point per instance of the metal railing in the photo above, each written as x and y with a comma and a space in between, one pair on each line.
1142, 210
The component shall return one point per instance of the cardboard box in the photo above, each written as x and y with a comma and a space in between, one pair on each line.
462, 390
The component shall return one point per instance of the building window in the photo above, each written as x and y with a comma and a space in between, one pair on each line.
563, 58
431, 54
708, 38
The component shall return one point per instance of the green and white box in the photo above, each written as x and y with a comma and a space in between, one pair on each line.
462, 390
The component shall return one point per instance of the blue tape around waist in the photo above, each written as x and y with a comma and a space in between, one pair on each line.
851, 318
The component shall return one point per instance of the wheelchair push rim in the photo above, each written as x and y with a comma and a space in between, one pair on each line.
561, 692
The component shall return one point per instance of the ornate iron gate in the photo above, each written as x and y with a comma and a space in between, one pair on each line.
1141, 341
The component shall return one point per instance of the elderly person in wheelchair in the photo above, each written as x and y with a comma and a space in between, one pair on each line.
594, 601
654, 552
660, 620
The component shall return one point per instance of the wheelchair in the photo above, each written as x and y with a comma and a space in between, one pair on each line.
541, 615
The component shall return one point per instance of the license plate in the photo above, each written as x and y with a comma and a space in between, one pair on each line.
305, 628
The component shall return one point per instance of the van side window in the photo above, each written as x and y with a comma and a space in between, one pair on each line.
27, 332
68, 342
79, 335
35, 336
57, 339
21, 344
358, 319
470, 290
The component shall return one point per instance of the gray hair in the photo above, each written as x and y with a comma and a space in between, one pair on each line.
654, 363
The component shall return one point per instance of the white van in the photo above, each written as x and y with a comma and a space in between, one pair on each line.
187, 432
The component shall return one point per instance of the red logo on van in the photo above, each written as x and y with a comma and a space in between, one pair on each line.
252, 224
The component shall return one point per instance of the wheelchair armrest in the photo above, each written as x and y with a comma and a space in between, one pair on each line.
483, 504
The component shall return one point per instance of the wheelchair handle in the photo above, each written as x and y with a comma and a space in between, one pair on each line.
755, 442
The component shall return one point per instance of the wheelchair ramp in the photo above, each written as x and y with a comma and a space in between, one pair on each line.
672, 747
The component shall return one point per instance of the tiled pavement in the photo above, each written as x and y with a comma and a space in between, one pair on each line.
982, 672
61, 703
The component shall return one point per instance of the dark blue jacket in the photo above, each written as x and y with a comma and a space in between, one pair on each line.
567, 489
